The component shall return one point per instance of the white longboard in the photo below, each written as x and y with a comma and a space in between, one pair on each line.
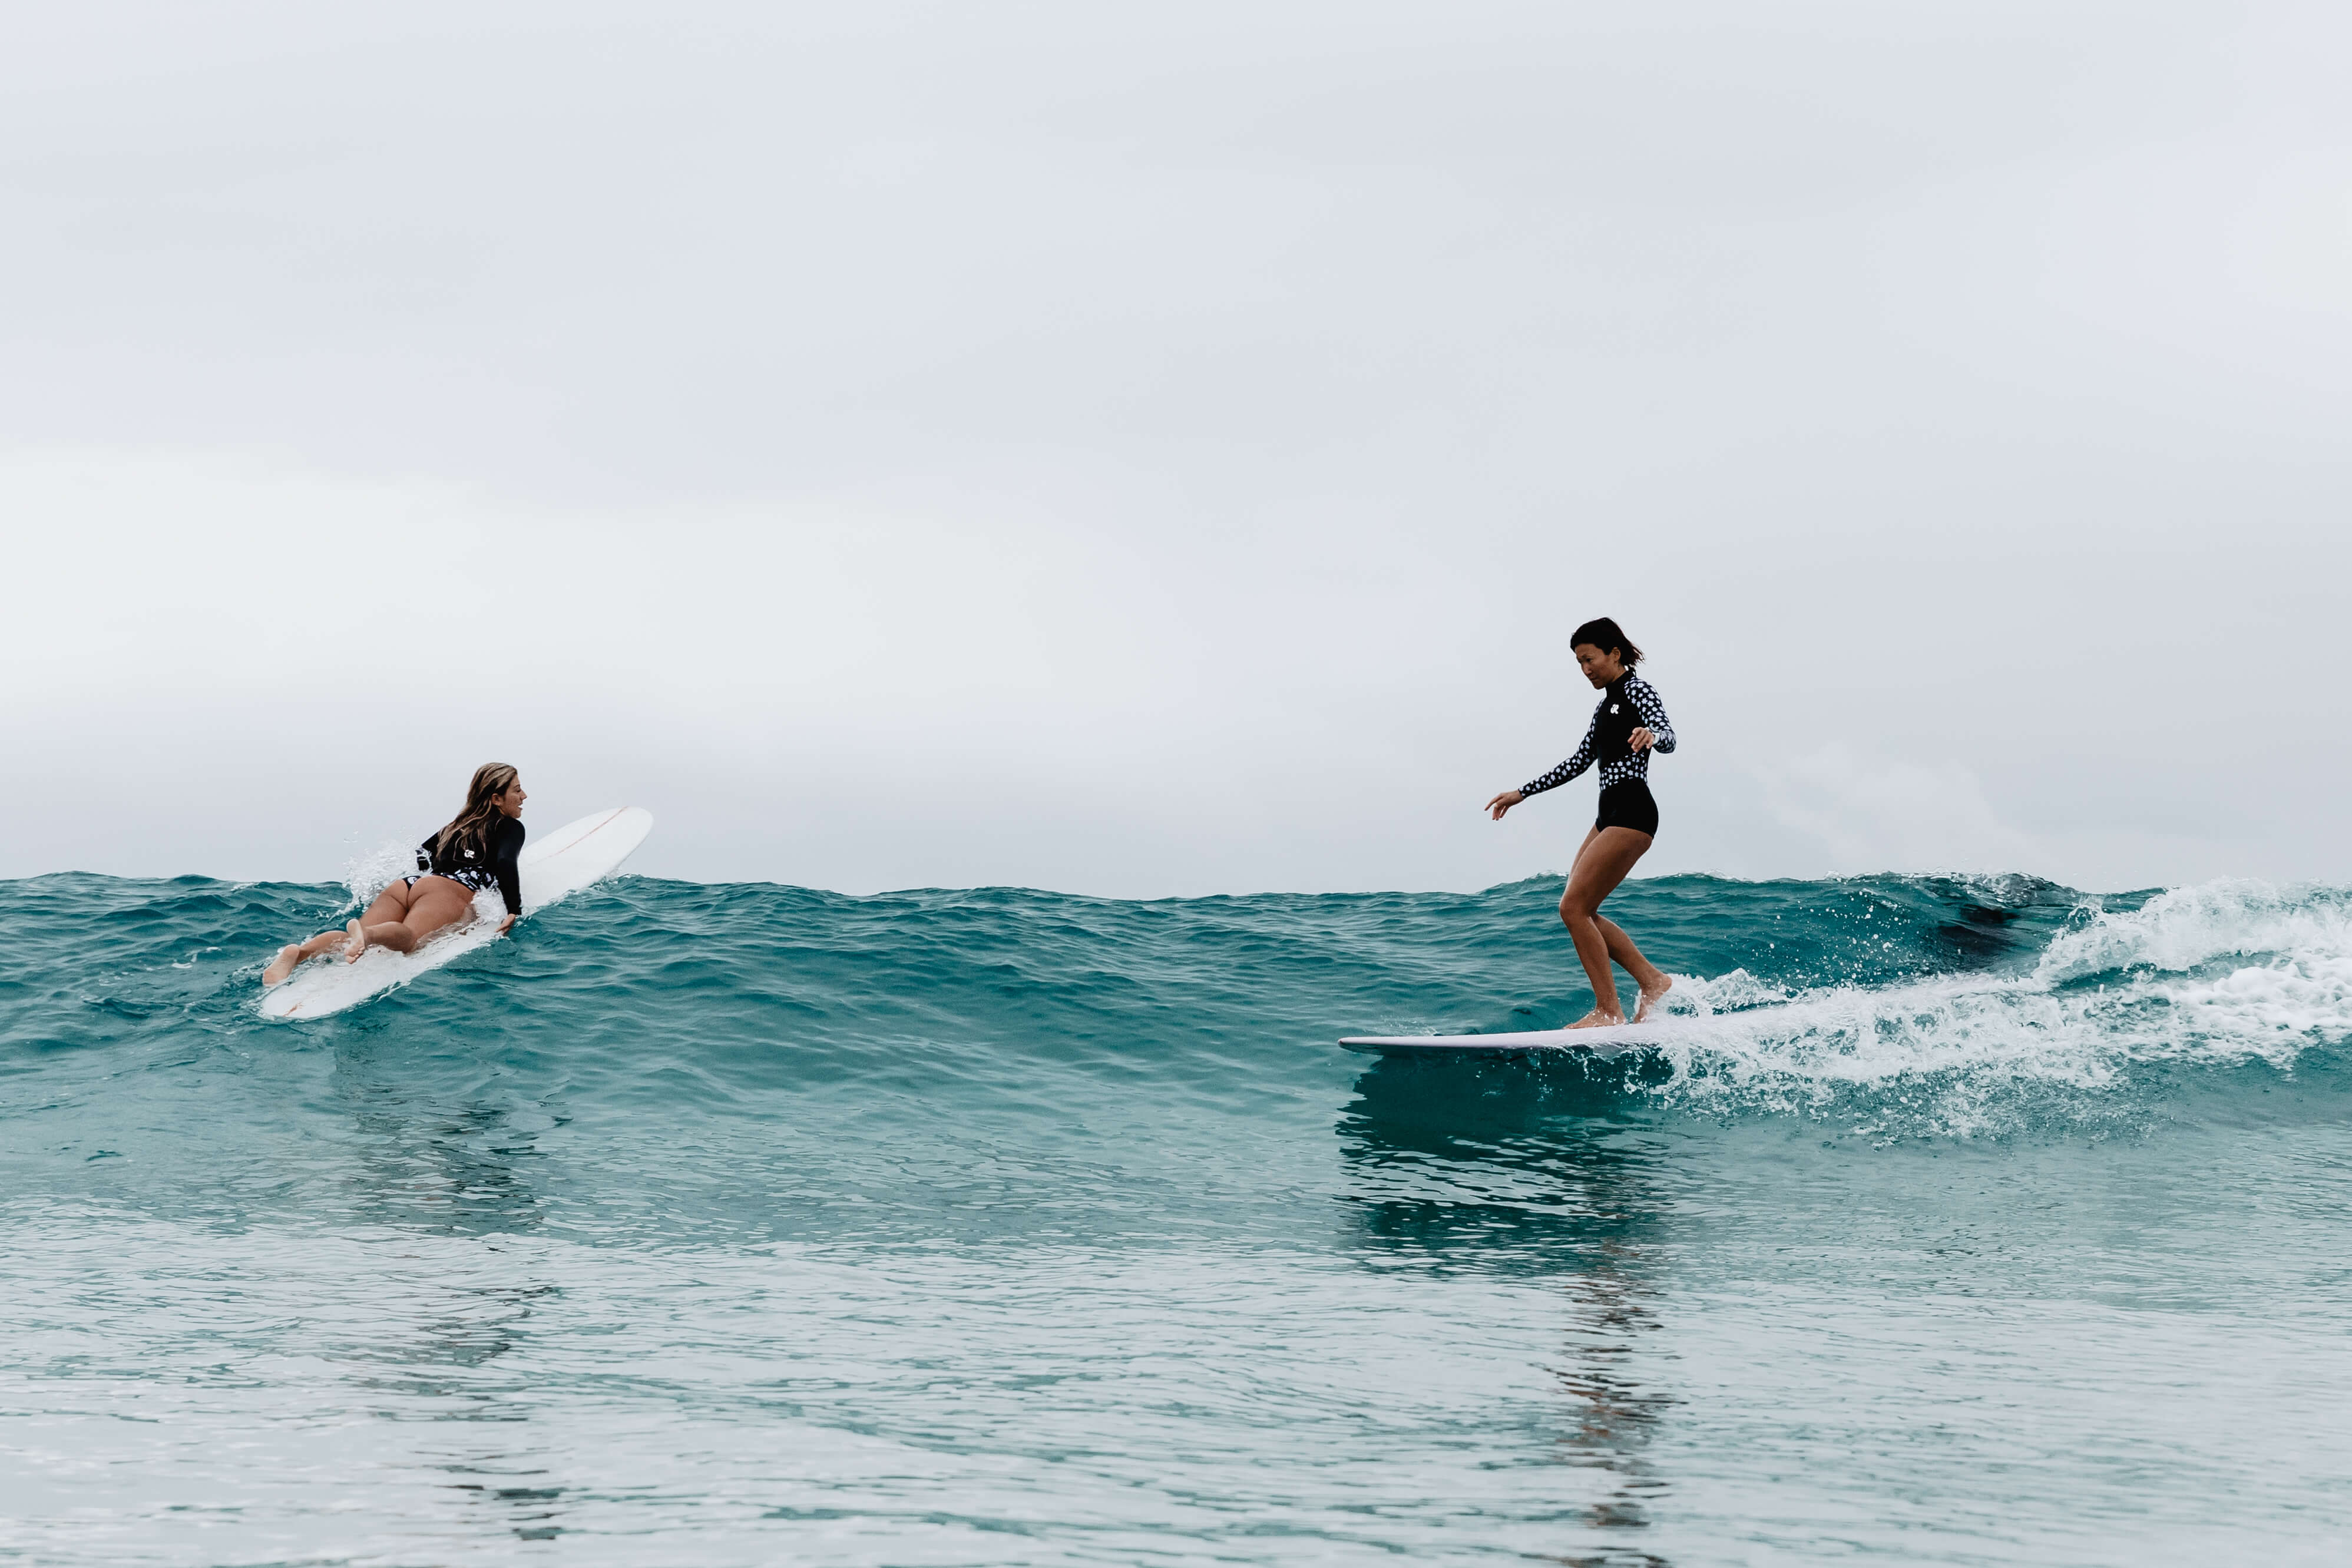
574, 857
1609, 1041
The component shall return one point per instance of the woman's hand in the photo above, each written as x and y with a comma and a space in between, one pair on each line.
506, 924
1640, 739
1503, 803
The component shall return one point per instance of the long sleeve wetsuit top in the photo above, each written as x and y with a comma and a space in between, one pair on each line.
1627, 703
469, 865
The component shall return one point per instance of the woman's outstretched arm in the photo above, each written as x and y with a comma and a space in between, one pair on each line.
1577, 764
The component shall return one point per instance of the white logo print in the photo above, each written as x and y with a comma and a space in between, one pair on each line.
1612, 708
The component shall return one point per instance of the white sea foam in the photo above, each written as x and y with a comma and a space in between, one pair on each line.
2186, 927
2294, 1000
2219, 973
1725, 992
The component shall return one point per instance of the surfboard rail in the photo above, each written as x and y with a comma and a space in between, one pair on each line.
1612, 1040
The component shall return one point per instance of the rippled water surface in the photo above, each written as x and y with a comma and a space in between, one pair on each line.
1967, 1222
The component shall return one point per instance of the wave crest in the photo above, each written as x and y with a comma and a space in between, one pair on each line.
2183, 928
2163, 984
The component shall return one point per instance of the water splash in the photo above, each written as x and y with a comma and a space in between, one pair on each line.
2217, 977
371, 873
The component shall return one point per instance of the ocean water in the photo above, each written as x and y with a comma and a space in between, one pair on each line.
1974, 1221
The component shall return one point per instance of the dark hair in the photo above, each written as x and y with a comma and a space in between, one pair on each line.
472, 825
1606, 635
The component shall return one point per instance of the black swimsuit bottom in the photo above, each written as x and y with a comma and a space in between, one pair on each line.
468, 879
1629, 805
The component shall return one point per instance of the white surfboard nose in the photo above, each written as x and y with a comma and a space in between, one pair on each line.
581, 853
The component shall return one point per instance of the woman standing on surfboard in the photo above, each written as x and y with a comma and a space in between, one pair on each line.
1629, 723
476, 851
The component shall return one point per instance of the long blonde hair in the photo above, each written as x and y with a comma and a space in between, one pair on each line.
472, 825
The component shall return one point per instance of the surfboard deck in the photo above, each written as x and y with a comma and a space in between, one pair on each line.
553, 865
1614, 1040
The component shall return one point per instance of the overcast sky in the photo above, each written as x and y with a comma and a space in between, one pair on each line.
1163, 450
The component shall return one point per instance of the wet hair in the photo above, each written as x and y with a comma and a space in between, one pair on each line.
472, 825
1607, 636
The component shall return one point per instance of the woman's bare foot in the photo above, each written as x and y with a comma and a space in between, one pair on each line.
1597, 1019
1651, 998
357, 945
282, 965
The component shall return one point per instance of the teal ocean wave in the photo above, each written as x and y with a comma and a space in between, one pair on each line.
684, 999
998, 1226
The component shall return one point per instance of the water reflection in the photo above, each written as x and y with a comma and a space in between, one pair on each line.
434, 1162
1533, 1169
441, 1163
1616, 1414
531, 1512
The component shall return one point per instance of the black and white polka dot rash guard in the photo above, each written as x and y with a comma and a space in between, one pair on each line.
1626, 704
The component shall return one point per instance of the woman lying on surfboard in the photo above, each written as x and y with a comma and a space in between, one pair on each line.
1629, 723
475, 852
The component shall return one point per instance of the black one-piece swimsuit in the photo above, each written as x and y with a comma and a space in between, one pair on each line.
1627, 704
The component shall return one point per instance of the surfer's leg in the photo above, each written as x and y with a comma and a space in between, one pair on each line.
1655, 982
1589, 834
1568, 907
389, 908
289, 956
1600, 865
390, 905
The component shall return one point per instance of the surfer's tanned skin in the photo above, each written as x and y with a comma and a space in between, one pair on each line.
1603, 861
403, 915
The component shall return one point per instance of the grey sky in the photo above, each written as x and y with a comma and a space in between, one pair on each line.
1145, 453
